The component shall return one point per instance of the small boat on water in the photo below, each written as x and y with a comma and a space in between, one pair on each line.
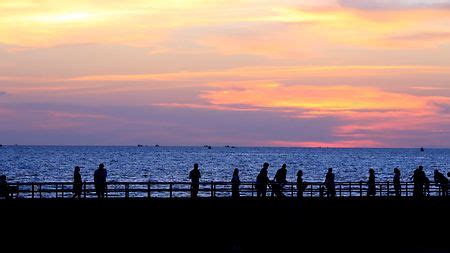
156, 146
422, 149
140, 146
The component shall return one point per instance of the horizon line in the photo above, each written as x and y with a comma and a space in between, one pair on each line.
213, 146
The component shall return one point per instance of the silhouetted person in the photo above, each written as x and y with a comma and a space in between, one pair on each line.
262, 180
235, 183
4, 188
301, 186
77, 183
329, 183
442, 181
418, 180
100, 180
279, 181
195, 176
397, 183
371, 190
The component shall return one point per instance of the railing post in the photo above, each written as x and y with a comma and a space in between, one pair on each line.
360, 188
381, 189
170, 189
406, 189
350, 188
292, 190
311, 190
340, 190
127, 189
148, 190
388, 189
32, 190
106, 190
56, 189
212, 189
253, 189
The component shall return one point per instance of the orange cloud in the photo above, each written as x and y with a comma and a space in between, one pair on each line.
315, 99
365, 113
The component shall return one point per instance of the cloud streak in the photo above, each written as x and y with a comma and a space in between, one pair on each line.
253, 72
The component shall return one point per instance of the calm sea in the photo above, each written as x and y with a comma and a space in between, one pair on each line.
55, 163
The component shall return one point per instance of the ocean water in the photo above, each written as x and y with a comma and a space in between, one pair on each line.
143, 164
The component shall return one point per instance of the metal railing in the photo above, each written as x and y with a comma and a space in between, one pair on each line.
206, 189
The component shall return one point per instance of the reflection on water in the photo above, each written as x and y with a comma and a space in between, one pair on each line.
55, 163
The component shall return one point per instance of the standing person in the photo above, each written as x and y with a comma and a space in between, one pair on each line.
235, 183
195, 176
4, 188
418, 182
279, 181
100, 180
371, 190
262, 180
301, 186
442, 181
397, 183
330, 184
77, 183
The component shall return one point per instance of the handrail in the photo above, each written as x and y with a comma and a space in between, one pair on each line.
116, 189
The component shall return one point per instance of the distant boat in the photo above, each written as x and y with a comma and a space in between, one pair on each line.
157, 146
422, 149
140, 146
227, 146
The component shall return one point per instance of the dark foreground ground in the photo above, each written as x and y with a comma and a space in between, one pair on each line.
221, 225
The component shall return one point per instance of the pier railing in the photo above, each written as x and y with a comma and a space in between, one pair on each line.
206, 189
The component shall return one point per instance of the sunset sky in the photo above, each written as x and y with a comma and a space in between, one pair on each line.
335, 73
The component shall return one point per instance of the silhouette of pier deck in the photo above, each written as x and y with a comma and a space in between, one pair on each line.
207, 189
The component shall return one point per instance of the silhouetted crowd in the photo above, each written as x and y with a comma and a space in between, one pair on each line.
420, 181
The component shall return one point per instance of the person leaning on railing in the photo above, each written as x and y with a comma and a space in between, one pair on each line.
442, 182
